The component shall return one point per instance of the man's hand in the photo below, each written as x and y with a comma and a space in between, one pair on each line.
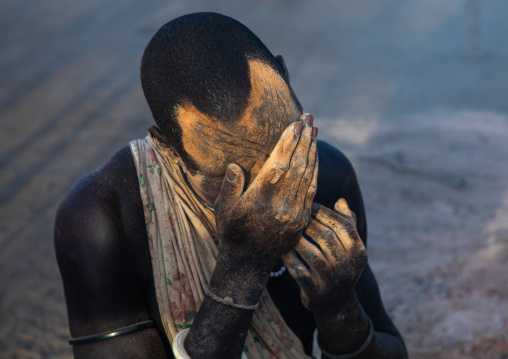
334, 257
255, 227
259, 225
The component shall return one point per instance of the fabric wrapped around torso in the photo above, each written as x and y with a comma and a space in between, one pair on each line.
184, 249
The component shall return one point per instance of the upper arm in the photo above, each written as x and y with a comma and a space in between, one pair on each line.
340, 181
103, 274
94, 263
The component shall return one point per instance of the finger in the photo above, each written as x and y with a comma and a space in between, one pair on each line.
308, 188
232, 188
342, 207
296, 268
330, 245
300, 274
312, 255
341, 225
309, 169
300, 158
277, 164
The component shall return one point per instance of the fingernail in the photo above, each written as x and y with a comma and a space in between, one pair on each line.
298, 128
314, 132
303, 116
314, 208
230, 176
309, 120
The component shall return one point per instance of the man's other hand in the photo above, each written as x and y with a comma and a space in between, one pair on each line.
329, 258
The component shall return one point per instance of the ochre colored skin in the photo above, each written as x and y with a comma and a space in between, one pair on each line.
247, 142
263, 200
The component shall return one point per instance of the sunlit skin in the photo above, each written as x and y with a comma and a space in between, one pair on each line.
260, 173
247, 142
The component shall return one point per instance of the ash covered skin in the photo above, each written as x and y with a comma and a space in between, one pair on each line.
247, 142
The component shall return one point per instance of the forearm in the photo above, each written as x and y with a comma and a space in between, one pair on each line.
342, 329
276, 205
346, 330
219, 330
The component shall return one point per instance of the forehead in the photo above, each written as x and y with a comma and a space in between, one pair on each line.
270, 110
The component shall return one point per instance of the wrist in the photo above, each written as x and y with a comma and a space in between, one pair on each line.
240, 280
358, 351
336, 306
343, 327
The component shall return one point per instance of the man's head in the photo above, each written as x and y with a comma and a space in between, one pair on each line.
217, 94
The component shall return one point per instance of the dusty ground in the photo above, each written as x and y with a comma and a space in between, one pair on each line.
413, 91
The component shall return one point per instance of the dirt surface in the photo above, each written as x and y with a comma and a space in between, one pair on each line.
414, 92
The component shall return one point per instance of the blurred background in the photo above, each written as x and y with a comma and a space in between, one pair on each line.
414, 92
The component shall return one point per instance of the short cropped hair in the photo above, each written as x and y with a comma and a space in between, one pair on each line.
201, 59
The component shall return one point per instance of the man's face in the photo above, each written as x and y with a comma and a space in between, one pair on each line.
247, 142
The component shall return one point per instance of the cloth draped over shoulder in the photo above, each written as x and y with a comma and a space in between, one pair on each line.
183, 248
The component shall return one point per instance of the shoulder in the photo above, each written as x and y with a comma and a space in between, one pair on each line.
337, 179
101, 247
96, 209
329, 153
335, 169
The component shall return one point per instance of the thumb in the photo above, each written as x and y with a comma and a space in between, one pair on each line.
342, 207
232, 188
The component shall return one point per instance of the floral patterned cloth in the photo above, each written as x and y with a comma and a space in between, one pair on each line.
181, 235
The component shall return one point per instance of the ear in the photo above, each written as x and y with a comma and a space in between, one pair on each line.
283, 64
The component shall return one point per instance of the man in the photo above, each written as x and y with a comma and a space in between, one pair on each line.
182, 239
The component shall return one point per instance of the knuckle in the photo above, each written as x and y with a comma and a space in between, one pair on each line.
276, 173
312, 189
349, 227
329, 236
